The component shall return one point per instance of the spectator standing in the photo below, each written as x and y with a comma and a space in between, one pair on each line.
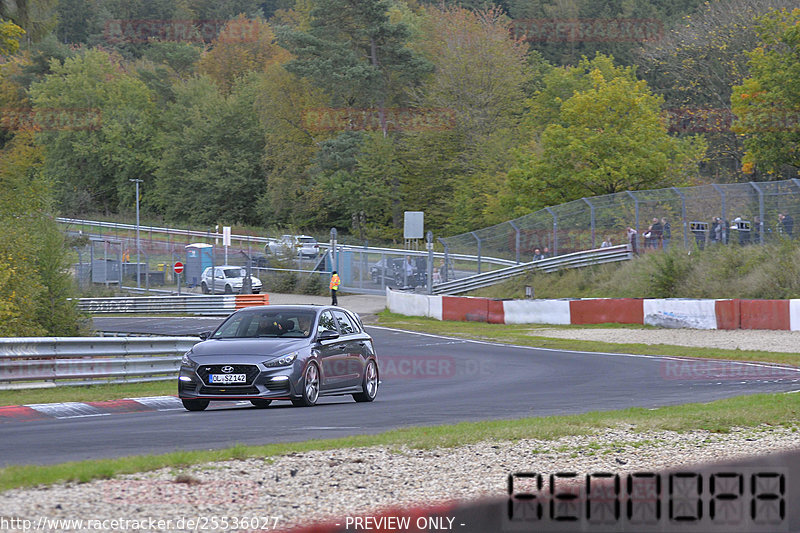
546, 253
786, 224
608, 243
666, 233
716, 231
633, 236
537, 254
335, 282
656, 229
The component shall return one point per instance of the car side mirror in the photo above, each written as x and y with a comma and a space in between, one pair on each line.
204, 335
327, 335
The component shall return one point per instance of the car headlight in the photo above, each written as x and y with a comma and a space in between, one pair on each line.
185, 361
284, 360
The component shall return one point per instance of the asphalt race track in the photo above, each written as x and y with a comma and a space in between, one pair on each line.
426, 380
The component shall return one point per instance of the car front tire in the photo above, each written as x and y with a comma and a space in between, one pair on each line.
369, 385
204, 287
195, 405
228, 289
310, 387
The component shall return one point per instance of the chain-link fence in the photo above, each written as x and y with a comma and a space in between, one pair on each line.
744, 213
112, 258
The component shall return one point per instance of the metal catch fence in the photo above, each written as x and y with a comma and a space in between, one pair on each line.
742, 213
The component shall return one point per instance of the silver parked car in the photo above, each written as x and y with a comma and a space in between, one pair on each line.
227, 279
266, 353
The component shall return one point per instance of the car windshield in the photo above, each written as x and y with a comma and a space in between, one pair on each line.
234, 273
307, 240
268, 323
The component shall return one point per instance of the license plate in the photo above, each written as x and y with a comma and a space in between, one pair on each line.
227, 378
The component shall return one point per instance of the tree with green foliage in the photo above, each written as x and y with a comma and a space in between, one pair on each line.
34, 280
36, 17
767, 104
10, 35
210, 170
355, 54
283, 104
106, 136
608, 138
695, 66
360, 58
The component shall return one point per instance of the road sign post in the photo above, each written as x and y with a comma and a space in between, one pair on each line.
178, 268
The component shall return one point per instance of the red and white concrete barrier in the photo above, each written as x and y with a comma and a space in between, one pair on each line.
663, 312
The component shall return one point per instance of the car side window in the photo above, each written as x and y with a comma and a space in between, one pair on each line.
326, 321
359, 327
345, 323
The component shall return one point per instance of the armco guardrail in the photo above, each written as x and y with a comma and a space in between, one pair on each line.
42, 362
611, 254
155, 229
197, 305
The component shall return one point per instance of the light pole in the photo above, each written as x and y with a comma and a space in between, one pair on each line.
138, 263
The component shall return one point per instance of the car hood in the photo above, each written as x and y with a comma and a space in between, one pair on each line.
253, 279
258, 347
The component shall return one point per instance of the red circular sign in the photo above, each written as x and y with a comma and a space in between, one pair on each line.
178, 267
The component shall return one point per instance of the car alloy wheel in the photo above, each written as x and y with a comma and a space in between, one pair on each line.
369, 385
228, 289
310, 387
195, 405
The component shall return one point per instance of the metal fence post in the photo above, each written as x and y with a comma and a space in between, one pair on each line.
429, 245
683, 217
760, 211
555, 231
333, 249
721, 192
591, 209
446, 268
636, 216
479, 249
516, 238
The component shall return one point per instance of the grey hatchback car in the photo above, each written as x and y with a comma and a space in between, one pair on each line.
266, 353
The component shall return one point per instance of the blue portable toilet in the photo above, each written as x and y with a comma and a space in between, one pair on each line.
199, 256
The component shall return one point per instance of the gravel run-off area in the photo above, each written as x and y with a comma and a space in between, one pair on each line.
315, 486
761, 340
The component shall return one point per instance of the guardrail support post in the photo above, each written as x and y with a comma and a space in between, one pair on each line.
516, 238
591, 209
760, 211
555, 231
479, 249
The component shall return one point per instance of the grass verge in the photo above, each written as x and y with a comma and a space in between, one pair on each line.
92, 393
525, 335
720, 416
